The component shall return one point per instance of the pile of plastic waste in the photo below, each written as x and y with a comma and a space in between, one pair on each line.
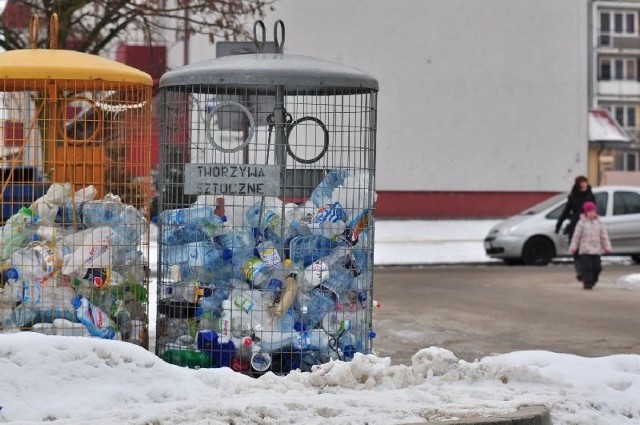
72, 265
279, 289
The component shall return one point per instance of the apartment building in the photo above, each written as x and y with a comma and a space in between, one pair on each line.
615, 88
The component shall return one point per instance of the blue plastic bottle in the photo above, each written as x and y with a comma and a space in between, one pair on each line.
267, 221
321, 301
340, 280
101, 213
201, 214
179, 235
96, 321
322, 194
306, 249
195, 254
237, 242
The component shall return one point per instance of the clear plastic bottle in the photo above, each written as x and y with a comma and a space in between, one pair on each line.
97, 322
340, 280
320, 303
267, 221
179, 235
306, 249
105, 212
197, 256
237, 242
187, 291
199, 215
323, 193
131, 225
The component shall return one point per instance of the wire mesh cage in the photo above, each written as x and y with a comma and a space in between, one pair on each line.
75, 188
266, 186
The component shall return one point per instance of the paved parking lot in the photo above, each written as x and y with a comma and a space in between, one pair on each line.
475, 311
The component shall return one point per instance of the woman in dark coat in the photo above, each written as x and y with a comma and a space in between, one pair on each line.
580, 193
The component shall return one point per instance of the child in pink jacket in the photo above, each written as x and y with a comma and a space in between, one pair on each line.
589, 241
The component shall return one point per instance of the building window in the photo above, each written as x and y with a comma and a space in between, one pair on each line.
605, 69
631, 117
618, 23
625, 115
617, 69
625, 161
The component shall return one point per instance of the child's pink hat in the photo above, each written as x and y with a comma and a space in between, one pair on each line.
589, 206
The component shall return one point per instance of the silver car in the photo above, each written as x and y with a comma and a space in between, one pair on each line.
530, 238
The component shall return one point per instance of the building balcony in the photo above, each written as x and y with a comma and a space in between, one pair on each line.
620, 88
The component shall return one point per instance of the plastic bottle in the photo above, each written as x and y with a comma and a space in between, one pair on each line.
179, 235
35, 302
197, 255
286, 296
220, 352
306, 249
187, 358
269, 253
224, 326
93, 252
199, 215
17, 231
340, 280
320, 303
187, 291
131, 225
323, 193
35, 262
96, 321
105, 212
274, 332
237, 242
267, 221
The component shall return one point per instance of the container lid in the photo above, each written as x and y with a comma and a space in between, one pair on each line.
50, 64
292, 72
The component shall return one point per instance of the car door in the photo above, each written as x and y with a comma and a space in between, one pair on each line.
623, 221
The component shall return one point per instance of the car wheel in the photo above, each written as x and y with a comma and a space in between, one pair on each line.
635, 259
538, 251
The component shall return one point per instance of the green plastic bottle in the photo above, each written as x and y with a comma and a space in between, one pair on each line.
188, 358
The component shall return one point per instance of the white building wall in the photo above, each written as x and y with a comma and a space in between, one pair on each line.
486, 95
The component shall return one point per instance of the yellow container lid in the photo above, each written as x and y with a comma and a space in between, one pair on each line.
53, 64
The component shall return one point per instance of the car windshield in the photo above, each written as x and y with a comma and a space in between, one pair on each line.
544, 204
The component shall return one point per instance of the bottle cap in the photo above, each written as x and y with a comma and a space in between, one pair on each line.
349, 350
77, 301
11, 274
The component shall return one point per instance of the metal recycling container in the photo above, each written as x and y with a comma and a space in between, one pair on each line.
75, 191
266, 210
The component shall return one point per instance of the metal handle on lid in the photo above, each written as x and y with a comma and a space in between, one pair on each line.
53, 30
33, 31
279, 44
259, 43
